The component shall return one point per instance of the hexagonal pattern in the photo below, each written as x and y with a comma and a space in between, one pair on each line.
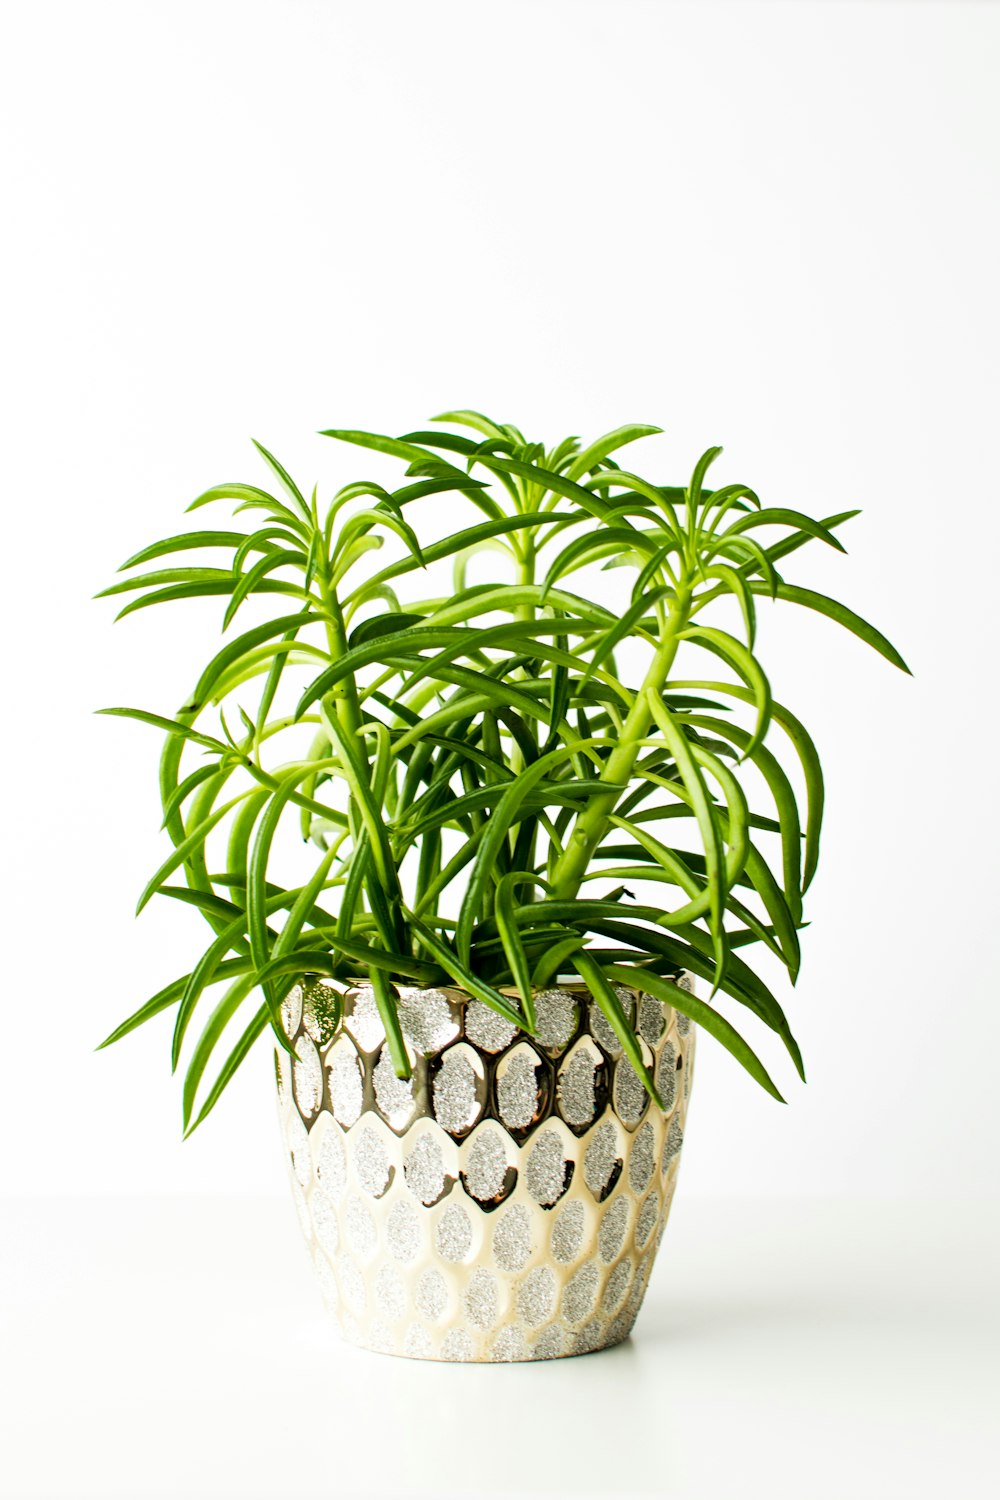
507, 1201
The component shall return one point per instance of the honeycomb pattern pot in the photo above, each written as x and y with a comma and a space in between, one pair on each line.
508, 1201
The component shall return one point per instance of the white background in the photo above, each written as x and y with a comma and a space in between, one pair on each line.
772, 226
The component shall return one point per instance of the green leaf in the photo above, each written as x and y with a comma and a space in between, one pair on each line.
780, 517
382, 625
609, 443
239, 1052
286, 479
205, 590
221, 576
449, 960
250, 498
186, 847
251, 581
843, 616
161, 1001
596, 980
185, 542
745, 664
703, 1015
708, 824
473, 419
169, 726
386, 1002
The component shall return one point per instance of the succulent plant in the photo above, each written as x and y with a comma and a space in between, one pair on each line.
482, 787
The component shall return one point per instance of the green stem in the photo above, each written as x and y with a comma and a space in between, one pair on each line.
593, 822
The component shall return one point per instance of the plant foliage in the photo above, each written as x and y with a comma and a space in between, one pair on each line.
481, 786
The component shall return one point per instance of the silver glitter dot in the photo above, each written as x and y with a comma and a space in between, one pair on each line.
327, 1282
512, 1238
307, 1071
331, 1162
454, 1233
589, 1338
380, 1338
417, 1344
426, 1019
666, 1076
517, 1088
360, 1227
297, 1138
686, 1073
346, 1096
646, 1223
371, 1164
545, 1173
617, 1286
320, 1010
352, 1284
550, 1344
291, 1011
639, 1285
601, 1158
600, 1030
432, 1295
456, 1345
486, 1028
612, 1230
536, 1296
618, 1329
651, 1023
567, 1232
403, 1231
642, 1160
508, 1345
556, 1016
575, 1089
673, 1143
394, 1096
600, 1027
361, 1018
487, 1166
302, 1209
629, 1094
324, 1217
456, 1107
581, 1294
481, 1299
685, 982
390, 1294
424, 1170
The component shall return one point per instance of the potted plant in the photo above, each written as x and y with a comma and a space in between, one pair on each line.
529, 814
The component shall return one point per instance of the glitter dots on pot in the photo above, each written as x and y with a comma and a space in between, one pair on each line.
580, 1085
506, 1202
487, 1174
458, 1089
548, 1172
520, 1091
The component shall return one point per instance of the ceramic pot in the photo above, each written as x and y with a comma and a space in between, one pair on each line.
508, 1201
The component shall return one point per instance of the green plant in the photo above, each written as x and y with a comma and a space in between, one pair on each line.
475, 760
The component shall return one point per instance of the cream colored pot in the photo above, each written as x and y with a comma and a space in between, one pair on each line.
508, 1201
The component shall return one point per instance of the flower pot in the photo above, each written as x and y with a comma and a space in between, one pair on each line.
508, 1201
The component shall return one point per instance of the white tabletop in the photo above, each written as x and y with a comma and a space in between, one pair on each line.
817, 1350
